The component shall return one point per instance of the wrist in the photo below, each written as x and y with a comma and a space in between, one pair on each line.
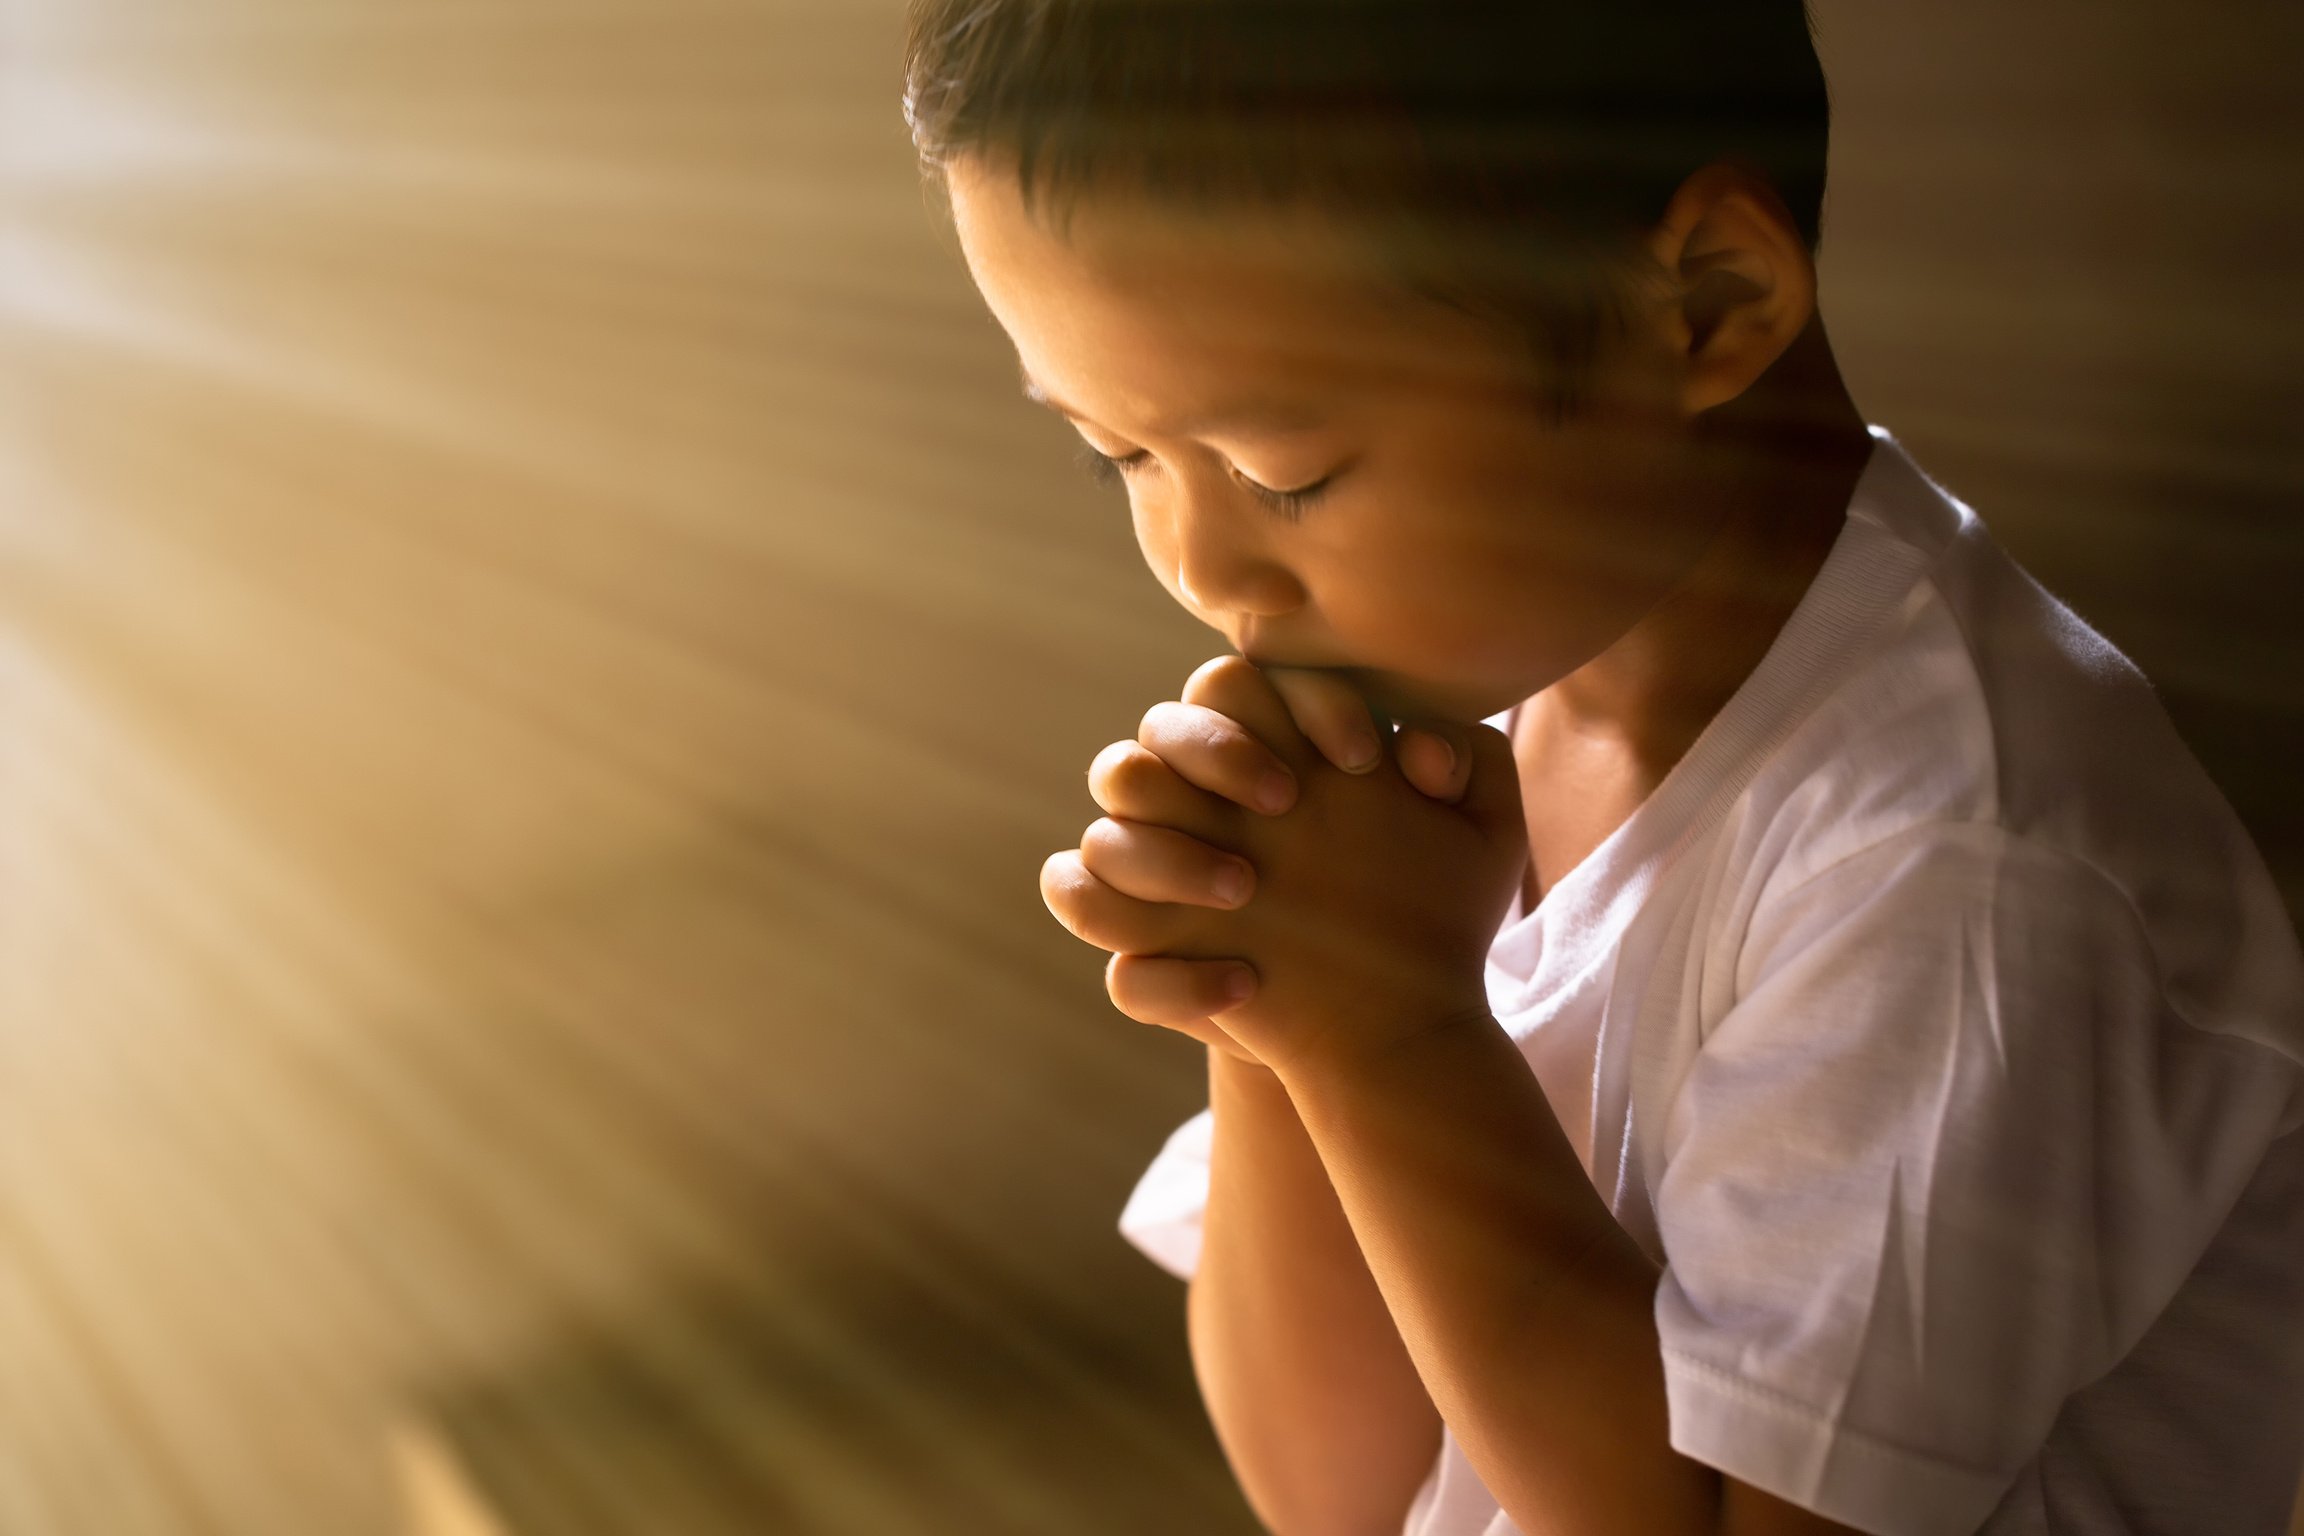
1241, 1086
1237, 1071
1256, 1119
1361, 1055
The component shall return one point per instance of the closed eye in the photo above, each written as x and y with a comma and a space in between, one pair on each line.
1108, 470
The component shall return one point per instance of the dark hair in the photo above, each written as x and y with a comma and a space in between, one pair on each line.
1501, 153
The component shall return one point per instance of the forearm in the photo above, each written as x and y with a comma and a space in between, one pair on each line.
1529, 1311
1311, 1391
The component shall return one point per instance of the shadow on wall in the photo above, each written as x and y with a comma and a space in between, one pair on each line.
2059, 262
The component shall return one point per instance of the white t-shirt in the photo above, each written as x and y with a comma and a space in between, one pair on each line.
1937, 1027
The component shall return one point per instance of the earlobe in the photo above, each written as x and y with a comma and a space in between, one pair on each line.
1744, 283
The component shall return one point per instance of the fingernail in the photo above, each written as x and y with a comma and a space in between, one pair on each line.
1276, 793
1239, 984
1448, 747
1232, 883
1362, 754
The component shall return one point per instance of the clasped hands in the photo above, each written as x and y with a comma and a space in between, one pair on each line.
1354, 908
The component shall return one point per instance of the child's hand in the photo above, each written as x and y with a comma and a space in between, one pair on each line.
1369, 904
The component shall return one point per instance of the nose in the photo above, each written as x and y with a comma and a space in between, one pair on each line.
1221, 566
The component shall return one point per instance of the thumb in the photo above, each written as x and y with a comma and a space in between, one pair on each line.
1492, 788
1433, 759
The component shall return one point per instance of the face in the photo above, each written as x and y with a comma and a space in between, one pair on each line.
1449, 548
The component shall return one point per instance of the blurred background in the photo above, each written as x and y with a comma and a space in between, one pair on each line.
540, 655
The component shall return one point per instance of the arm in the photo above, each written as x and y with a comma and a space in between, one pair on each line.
1313, 1395
1527, 1314
1440, 1179
1530, 1307
1529, 1311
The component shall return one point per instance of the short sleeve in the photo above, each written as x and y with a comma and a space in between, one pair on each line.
1163, 1213
1940, 1164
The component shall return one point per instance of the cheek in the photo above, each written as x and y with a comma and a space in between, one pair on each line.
1404, 594
1576, 527
1486, 586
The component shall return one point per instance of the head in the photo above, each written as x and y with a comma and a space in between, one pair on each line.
1414, 330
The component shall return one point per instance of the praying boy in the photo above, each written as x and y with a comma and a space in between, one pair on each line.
1728, 1006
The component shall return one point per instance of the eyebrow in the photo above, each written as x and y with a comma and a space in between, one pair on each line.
1272, 416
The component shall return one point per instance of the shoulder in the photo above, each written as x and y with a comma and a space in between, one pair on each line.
1957, 972
1950, 1085
1988, 749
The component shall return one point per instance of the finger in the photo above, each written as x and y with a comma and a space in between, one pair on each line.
1094, 913
1129, 780
1161, 989
1161, 864
1234, 686
1492, 787
1331, 714
1217, 753
1433, 759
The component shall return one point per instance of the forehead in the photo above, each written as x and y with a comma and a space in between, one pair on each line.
1151, 310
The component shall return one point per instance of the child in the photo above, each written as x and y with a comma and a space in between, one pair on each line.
1784, 1038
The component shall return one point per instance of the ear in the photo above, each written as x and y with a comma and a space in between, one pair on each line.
1742, 281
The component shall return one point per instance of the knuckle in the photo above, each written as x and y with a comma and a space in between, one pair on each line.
1060, 883
1104, 842
1092, 924
1203, 737
1206, 748
1135, 777
1242, 754
1123, 983
1169, 726
1221, 677
1150, 989
1107, 757
1122, 772
1077, 899
1105, 916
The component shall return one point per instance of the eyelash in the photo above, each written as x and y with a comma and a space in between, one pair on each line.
1107, 470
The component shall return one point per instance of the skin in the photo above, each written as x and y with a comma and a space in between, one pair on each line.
1616, 575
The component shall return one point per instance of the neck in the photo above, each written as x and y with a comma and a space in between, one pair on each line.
1779, 464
